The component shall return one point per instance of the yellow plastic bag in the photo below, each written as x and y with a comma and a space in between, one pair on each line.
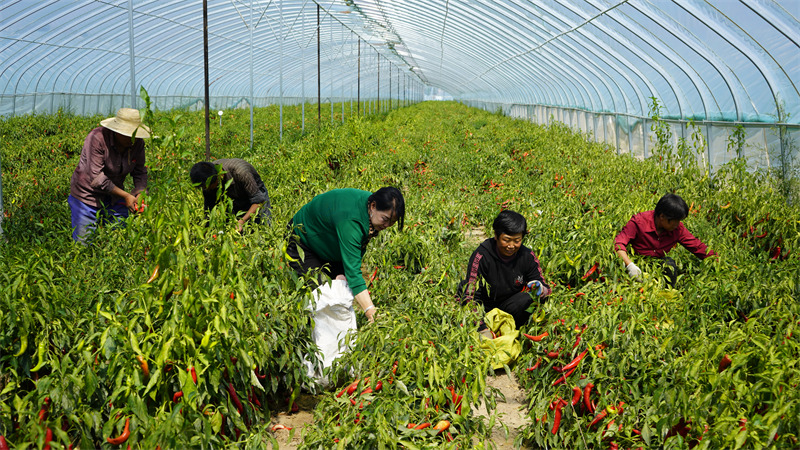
505, 348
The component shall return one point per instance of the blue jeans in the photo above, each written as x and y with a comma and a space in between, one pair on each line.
85, 218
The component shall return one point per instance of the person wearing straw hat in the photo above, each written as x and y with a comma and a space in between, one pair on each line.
110, 153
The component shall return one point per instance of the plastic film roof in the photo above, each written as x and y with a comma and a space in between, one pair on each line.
704, 60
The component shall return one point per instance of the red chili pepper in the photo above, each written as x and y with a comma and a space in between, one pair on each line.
535, 366
724, 363
598, 418
43, 411
378, 386
590, 272
126, 432
576, 395
177, 396
422, 426
762, 235
577, 341
193, 373
552, 355
608, 425
563, 377
352, 388
48, 436
3, 443
235, 398
613, 446
372, 277
574, 363
537, 338
556, 421
411, 426
587, 392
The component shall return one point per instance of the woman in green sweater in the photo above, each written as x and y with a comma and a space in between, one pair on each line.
333, 230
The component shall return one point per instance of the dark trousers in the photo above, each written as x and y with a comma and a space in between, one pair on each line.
309, 260
517, 305
670, 271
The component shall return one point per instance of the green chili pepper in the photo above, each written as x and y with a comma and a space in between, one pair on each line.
23, 345
40, 351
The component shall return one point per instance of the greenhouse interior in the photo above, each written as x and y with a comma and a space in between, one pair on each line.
400, 224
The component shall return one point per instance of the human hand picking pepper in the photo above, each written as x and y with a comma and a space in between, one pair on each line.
537, 286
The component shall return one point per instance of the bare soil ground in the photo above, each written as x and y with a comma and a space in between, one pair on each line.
511, 411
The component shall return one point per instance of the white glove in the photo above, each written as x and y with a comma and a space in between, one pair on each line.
535, 284
634, 271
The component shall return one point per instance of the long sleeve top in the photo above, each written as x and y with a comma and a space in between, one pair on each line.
492, 279
640, 233
102, 166
335, 225
246, 188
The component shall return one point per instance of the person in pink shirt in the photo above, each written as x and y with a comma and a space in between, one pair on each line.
654, 233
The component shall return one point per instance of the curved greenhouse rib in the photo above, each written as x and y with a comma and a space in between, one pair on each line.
730, 40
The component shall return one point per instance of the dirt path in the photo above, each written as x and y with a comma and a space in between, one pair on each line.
510, 412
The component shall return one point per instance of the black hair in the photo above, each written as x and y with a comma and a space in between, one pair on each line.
201, 172
672, 207
390, 198
510, 223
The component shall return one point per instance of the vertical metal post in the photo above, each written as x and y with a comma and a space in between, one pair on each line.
390, 88
379, 83
132, 57
358, 76
330, 83
319, 76
205, 73
280, 71
303, 88
250, 26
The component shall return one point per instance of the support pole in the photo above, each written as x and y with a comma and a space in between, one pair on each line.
130, 44
319, 77
205, 84
358, 91
250, 26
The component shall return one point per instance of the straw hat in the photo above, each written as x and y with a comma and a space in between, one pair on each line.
126, 122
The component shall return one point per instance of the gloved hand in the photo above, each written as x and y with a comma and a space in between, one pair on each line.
535, 284
634, 271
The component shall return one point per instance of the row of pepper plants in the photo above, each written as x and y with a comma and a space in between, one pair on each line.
110, 338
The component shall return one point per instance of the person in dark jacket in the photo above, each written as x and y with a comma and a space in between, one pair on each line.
502, 273
249, 195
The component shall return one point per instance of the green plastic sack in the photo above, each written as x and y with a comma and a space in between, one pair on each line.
505, 348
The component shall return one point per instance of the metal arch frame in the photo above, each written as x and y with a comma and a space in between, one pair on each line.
671, 82
609, 59
564, 65
565, 91
700, 52
552, 16
795, 40
52, 64
613, 53
728, 40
